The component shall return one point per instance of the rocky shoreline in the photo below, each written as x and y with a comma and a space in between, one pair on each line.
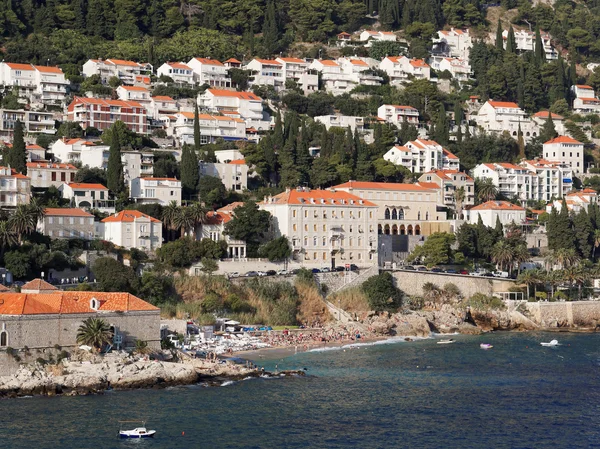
121, 372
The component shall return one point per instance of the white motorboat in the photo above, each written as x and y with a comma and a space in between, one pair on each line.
446, 342
138, 432
485, 346
551, 343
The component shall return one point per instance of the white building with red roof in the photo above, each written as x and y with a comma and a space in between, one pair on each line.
15, 188
244, 105
102, 114
565, 149
131, 229
325, 228
341, 76
40, 84
129, 72
233, 174
155, 190
32, 121
585, 101
576, 201
459, 68
45, 174
81, 151
492, 211
88, 196
214, 229
179, 72
67, 223
401, 69
454, 42
398, 114
541, 118
267, 72
525, 41
297, 69
210, 71
554, 178
421, 156
162, 105
505, 116
448, 183
212, 127
368, 35
137, 94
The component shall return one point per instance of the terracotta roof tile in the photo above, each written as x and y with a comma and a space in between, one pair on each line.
563, 139
380, 186
66, 212
209, 61
231, 93
319, 197
128, 216
84, 186
498, 205
503, 104
38, 284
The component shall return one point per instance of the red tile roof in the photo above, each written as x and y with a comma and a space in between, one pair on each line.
135, 88
358, 62
124, 62
103, 102
163, 98
429, 185
563, 139
583, 86
66, 212
48, 69
379, 186
231, 93
128, 216
217, 218
16, 66
38, 284
503, 104
328, 62
267, 61
330, 198
498, 205
209, 61
233, 60
85, 186
179, 65
51, 165
418, 63
544, 114
238, 162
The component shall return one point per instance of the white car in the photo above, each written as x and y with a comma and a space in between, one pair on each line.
234, 274
262, 273
283, 273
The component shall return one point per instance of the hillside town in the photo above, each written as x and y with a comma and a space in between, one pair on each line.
466, 148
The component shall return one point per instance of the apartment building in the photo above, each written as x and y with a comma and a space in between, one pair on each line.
585, 101
344, 75
297, 70
565, 149
554, 178
325, 227
244, 105
67, 223
360, 71
266, 72
102, 114
211, 72
34, 152
233, 174
505, 116
458, 68
214, 229
454, 43
492, 211
137, 94
342, 121
179, 72
525, 41
88, 196
32, 121
512, 181
131, 229
422, 156
228, 155
402, 209
576, 201
137, 164
541, 117
212, 127
162, 105
129, 72
40, 84
155, 190
397, 114
48, 174
401, 69
81, 151
15, 188
448, 182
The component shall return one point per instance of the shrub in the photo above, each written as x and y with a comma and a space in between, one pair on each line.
480, 301
41, 361
305, 275
382, 293
212, 303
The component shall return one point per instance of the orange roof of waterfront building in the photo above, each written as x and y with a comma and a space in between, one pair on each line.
379, 186
82, 185
318, 197
66, 212
503, 104
497, 205
128, 216
563, 139
231, 93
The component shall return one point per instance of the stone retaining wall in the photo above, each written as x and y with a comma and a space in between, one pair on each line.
565, 314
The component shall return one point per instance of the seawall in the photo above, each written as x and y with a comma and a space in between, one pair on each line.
565, 314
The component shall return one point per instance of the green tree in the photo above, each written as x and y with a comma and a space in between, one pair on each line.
277, 250
17, 154
114, 173
548, 131
511, 44
249, 224
270, 30
209, 266
382, 294
212, 191
189, 171
436, 250
113, 276
381, 49
94, 332
584, 234
503, 255
196, 128
485, 189
499, 37
18, 263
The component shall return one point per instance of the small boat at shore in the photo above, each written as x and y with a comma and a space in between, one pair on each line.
485, 346
138, 432
551, 343
446, 342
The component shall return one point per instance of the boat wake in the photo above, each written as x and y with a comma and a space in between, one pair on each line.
389, 341
227, 383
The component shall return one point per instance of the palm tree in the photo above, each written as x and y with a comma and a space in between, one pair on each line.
199, 213
184, 220
521, 254
486, 190
503, 255
565, 257
529, 278
7, 236
554, 278
94, 332
23, 221
169, 215
37, 209
575, 275
459, 199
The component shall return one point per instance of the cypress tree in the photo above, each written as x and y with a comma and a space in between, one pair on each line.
540, 55
499, 38
498, 229
584, 232
564, 232
270, 30
277, 136
189, 171
521, 143
17, 154
548, 131
442, 129
511, 45
114, 172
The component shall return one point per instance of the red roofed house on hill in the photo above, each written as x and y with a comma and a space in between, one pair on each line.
127, 71
46, 174
268, 72
565, 149
210, 71
132, 229
40, 84
88, 196
401, 69
489, 212
325, 227
244, 105
449, 182
500, 116
102, 114
49, 317
180, 73
16, 188
585, 101
297, 70
397, 114
149, 190
67, 223
214, 229
455, 43
421, 156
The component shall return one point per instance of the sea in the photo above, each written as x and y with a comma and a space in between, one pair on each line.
392, 394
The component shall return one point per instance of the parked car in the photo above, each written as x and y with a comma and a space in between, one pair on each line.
353, 267
436, 270
501, 274
464, 272
451, 271
340, 268
421, 268
271, 272
316, 270
233, 274
262, 273
251, 274
408, 267
325, 270
283, 272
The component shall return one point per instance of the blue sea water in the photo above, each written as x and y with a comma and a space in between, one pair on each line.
394, 395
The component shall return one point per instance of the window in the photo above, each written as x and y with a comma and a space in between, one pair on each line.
172, 193
53, 176
370, 214
143, 228
294, 213
315, 228
81, 221
305, 214
359, 214
324, 241
306, 227
50, 220
342, 214
387, 214
305, 241
60, 220
4, 338
315, 241
295, 227
71, 220
315, 256
324, 228
350, 241
324, 256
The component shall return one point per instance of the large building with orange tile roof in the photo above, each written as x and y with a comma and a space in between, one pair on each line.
297, 70
149, 190
506, 116
46, 174
43, 318
492, 211
40, 84
180, 73
88, 196
565, 149
102, 114
401, 69
214, 229
585, 101
210, 71
325, 228
344, 74
80, 151
554, 178
16, 188
402, 209
454, 43
449, 184
127, 71
139, 94
131, 229
244, 105
67, 223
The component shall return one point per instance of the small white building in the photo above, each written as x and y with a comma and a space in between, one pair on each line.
212, 127
127, 71
137, 164
15, 188
85, 152
214, 229
422, 156
501, 116
565, 149
46, 174
342, 121
541, 118
297, 70
458, 68
162, 105
35, 152
233, 174
525, 41
366, 36
489, 212
244, 105
40, 84
224, 156
455, 43
341, 76
397, 114
401, 69
447, 182
179, 72
576, 201
585, 101
88, 196
156, 190
210, 71
131, 229
137, 94
266, 72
